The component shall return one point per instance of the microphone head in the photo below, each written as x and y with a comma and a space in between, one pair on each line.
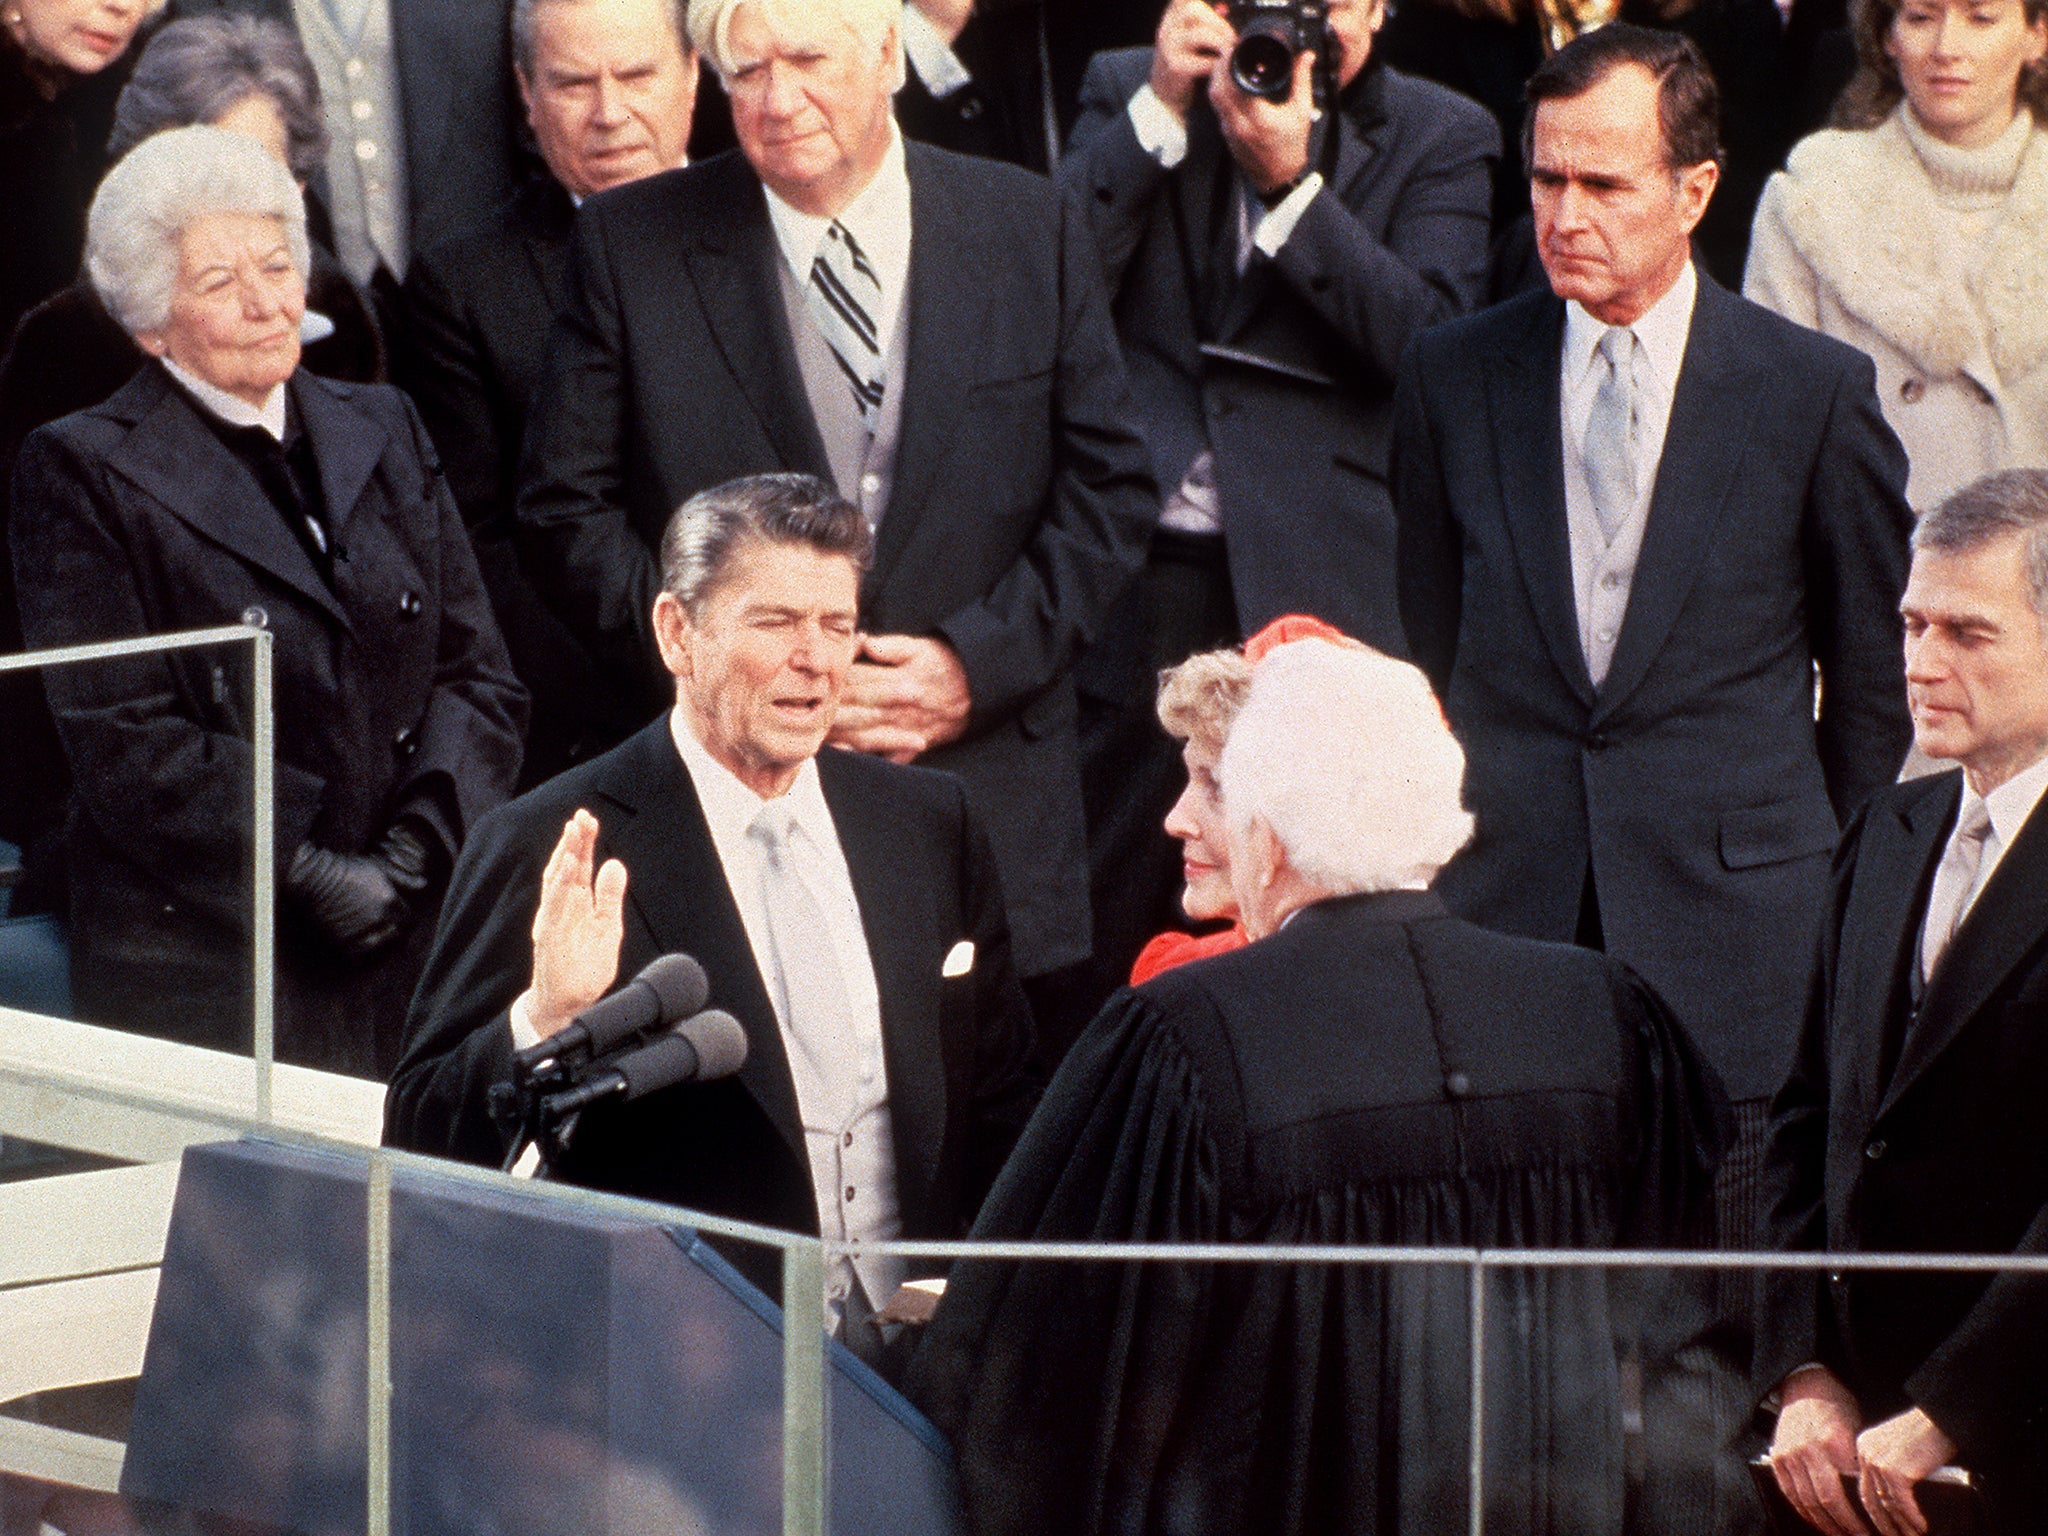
668, 1061
680, 985
720, 1041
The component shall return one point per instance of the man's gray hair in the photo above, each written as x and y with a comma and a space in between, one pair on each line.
712, 527
1343, 752
2014, 501
199, 68
710, 25
162, 186
524, 48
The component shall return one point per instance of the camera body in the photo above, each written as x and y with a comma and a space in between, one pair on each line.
1271, 35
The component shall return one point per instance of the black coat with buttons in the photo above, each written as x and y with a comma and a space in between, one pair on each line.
392, 693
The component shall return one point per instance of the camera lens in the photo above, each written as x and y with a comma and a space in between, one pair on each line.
1262, 64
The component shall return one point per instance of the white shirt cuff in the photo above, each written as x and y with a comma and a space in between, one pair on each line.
930, 55
1160, 134
1279, 223
524, 1035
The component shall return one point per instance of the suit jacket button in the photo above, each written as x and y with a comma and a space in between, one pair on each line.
1458, 1085
1597, 742
1875, 1150
405, 743
1911, 391
410, 606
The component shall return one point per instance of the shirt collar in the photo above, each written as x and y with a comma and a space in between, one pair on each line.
1662, 332
231, 409
878, 217
730, 806
2012, 802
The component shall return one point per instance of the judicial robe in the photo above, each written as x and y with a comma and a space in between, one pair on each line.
1376, 1073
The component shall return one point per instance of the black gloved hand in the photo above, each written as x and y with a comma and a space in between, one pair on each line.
408, 862
350, 897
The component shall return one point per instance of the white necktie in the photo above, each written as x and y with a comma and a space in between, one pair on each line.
1610, 447
1954, 883
807, 978
844, 297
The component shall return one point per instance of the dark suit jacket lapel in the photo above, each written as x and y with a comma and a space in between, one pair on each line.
175, 457
1523, 395
545, 216
2007, 924
1703, 448
912, 1042
346, 445
731, 257
950, 296
1894, 867
654, 824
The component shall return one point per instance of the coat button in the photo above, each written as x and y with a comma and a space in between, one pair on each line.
255, 618
410, 605
1875, 1150
1458, 1085
1911, 391
406, 743
970, 109
1597, 742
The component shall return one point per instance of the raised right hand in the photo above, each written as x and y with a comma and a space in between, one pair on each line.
1192, 36
578, 928
1815, 1444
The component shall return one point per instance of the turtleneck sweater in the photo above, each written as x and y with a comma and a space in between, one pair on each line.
1970, 181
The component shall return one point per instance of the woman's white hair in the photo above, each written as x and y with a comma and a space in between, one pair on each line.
710, 25
1344, 753
158, 189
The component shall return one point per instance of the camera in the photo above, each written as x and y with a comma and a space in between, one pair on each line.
1271, 35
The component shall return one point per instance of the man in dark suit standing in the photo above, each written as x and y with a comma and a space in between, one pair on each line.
1636, 513
1267, 278
927, 332
609, 90
1911, 1120
846, 911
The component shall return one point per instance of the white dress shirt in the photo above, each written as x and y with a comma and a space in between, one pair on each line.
879, 221
232, 409
1603, 573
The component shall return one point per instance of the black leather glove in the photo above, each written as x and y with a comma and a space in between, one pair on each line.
408, 860
350, 897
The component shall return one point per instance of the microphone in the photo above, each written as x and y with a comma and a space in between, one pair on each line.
699, 1050
672, 987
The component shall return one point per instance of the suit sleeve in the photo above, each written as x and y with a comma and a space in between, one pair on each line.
438, 362
575, 541
1029, 629
1985, 1383
1378, 295
1429, 556
1110, 178
1856, 550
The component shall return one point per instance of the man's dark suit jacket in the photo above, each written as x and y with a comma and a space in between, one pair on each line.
392, 693
1695, 783
1946, 1154
1021, 500
477, 313
1287, 372
955, 1047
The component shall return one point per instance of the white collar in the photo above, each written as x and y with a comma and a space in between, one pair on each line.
878, 216
232, 409
1661, 330
2012, 802
730, 806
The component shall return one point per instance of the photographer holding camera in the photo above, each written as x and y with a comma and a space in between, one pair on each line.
1277, 214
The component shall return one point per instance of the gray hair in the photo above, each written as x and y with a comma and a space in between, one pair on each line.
712, 527
199, 68
170, 179
523, 46
872, 21
1344, 754
2014, 501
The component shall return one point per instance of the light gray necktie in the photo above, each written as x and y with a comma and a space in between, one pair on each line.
1610, 449
1953, 883
807, 978
844, 297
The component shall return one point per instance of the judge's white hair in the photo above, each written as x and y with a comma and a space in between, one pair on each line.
158, 189
871, 21
1343, 752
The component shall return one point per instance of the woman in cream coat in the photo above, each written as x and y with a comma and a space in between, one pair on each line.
1918, 230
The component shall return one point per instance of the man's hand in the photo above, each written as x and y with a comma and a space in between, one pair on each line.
1895, 1455
576, 932
904, 696
1193, 39
948, 17
1815, 1444
1268, 139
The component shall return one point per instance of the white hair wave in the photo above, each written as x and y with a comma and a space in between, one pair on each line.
709, 23
156, 191
1344, 753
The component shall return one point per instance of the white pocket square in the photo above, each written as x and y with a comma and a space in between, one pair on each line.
959, 960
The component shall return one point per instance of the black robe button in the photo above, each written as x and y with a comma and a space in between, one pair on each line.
410, 606
1457, 1085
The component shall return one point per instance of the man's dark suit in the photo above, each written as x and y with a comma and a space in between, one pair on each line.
1949, 1155
955, 1047
1695, 784
1021, 499
1287, 372
477, 311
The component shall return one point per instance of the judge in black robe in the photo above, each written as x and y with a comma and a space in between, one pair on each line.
1378, 1072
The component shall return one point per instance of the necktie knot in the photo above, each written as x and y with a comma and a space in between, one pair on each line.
1974, 825
773, 825
1617, 345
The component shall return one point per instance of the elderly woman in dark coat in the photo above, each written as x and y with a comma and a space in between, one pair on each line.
225, 484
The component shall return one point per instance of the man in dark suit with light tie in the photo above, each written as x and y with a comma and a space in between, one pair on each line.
927, 332
1911, 1120
846, 911
1636, 513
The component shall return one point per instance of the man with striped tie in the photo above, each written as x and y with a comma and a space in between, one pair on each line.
926, 332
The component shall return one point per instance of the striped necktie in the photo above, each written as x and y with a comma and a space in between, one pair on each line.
845, 300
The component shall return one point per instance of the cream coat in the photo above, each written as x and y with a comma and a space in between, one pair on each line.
1961, 354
